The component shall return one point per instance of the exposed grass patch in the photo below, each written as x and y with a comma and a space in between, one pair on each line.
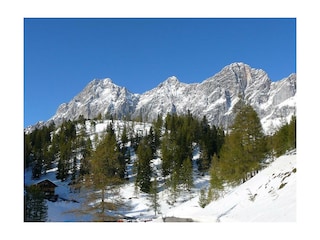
282, 185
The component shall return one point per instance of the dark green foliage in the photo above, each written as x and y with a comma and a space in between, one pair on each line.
37, 168
35, 205
86, 151
186, 174
173, 184
64, 143
151, 141
106, 173
27, 150
124, 135
135, 141
282, 185
74, 170
167, 152
243, 150
284, 139
64, 160
36, 150
181, 134
216, 177
105, 158
210, 141
206, 144
144, 172
157, 125
177, 141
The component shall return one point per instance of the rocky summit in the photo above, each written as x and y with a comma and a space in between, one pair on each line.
215, 97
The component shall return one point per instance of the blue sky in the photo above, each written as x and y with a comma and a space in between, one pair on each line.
61, 56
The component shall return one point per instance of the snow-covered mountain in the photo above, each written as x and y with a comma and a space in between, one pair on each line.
215, 97
99, 96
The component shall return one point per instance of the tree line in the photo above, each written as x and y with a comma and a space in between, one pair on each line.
100, 164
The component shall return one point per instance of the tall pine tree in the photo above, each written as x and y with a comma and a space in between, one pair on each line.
154, 197
187, 174
105, 174
144, 172
244, 147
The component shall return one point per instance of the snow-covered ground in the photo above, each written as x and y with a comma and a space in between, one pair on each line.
270, 196
286, 213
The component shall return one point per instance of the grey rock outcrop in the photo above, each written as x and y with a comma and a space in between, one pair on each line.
99, 96
215, 97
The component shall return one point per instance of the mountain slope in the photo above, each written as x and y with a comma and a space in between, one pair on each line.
270, 196
215, 97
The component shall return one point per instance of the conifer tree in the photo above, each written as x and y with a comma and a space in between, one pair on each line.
107, 155
65, 142
151, 141
173, 185
244, 147
145, 155
216, 178
74, 174
27, 150
124, 135
64, 160
49, 157
167, 148
186, 174
104, 175
292, 133
37, 150
37, 167
154, 197
84, 161
35, 206
158, 130
210, 141
285, 138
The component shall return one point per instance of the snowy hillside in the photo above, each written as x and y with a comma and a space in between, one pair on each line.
270, 196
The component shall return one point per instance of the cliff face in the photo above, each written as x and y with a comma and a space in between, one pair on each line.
215, 97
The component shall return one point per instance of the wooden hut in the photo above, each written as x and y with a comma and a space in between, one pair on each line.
47, 187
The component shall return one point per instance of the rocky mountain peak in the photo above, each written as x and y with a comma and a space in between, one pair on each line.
170, 82
107, 80
215, 97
